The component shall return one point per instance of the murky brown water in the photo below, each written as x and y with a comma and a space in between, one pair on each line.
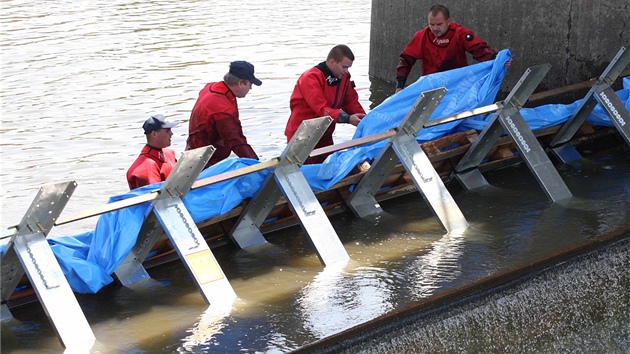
286, 299
78, 79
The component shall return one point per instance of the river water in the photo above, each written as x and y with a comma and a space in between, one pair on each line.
78, 80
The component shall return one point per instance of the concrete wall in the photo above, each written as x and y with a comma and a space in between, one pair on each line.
577, 37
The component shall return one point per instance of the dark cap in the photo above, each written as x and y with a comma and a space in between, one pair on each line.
244, 70
156, 122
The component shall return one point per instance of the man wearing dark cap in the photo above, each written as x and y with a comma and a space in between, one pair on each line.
155, 162
215, 119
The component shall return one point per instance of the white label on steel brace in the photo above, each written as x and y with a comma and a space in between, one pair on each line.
517, 133
612, 108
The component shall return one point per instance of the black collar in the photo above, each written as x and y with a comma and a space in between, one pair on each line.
330, 79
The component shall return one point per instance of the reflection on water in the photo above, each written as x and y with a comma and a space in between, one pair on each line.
440, 266
379, 91
210, 323
334, 300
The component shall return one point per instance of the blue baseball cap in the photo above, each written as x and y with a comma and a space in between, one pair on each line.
244, 70
156, 122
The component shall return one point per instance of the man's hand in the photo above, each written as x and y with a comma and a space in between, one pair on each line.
398, 89
508, 63
355, 119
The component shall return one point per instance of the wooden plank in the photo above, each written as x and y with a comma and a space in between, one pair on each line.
274, 162
325, 150
465, 114
102, 209
353, 143
569, 88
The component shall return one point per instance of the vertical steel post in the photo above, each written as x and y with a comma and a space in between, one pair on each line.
169, 213
603, 93
29, 252
404, 146
288, 180
508, 118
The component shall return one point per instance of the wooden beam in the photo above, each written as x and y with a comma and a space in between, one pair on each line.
569, 88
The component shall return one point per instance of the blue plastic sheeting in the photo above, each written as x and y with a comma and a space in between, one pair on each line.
89, 259
554, 114
467, 88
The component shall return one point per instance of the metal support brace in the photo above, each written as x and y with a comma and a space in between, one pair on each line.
404, 146
288, 180
509, 119
169, 212
29, 252
603, 93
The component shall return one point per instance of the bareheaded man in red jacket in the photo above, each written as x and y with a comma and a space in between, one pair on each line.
326, 90
441, 46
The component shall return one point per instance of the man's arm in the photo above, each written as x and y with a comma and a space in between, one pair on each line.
351, 104
145, 173
479, 49
408, 57
403, 69
231, 132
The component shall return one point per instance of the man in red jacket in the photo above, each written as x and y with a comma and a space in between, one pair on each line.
155, 162
441, 46
215, 119
326, 90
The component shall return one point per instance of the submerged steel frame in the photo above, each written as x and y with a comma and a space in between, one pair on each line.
603, 93
168, 212
287, 179
508, 119
403, 146
28, 252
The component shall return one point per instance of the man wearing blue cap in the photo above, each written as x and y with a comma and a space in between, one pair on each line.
215, 119
155, 162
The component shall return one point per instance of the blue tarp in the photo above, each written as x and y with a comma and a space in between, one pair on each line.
89, 259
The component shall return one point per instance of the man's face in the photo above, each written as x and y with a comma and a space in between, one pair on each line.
438, 24
161, 138
243, 88
341, 68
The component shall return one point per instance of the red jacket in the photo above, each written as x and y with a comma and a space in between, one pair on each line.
317, 94
214, 121
152, 166
441, 54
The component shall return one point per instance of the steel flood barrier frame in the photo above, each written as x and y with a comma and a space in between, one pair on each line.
403, 146
28, 249
508, 118
603, 94
28, 252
